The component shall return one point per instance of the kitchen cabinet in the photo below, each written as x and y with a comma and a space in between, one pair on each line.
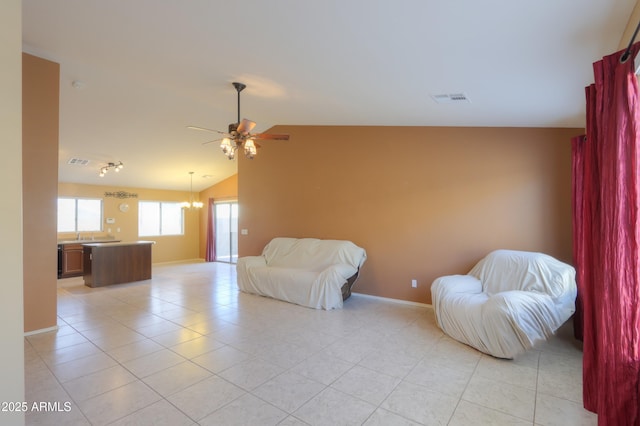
70, 256
70, 263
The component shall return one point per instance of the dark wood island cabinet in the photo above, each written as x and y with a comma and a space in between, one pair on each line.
116, 263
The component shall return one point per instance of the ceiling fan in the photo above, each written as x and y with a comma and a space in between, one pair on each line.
239, 134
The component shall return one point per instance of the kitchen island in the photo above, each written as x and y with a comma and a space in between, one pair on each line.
70, 262
116, 263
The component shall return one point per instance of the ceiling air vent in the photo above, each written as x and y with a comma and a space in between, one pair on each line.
78, 161
450, 98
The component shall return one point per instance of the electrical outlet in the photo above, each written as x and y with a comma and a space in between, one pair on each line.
414, 283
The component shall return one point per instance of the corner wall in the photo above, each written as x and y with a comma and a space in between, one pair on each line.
11, 302
423, 201
40, 118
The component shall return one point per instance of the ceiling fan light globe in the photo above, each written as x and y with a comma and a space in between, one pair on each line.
225, 145
250, 149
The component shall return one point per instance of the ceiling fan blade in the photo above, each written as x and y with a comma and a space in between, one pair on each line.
208, 142
204, 129
246, 126
271, 136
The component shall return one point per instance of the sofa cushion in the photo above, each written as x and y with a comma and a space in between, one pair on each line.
311, 253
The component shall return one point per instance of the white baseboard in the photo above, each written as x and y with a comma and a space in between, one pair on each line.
404, 302
42, 330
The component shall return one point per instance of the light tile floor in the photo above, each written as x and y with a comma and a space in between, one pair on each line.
188, 348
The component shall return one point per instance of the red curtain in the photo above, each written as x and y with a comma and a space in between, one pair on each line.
578, 144
606, 205
210, 252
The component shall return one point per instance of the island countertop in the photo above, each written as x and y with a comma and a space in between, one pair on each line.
117, 244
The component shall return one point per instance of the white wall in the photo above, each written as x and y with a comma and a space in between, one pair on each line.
11, 300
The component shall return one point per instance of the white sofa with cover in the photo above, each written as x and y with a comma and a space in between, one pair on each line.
306, 271
507, 302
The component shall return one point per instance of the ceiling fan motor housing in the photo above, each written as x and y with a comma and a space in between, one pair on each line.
236, 138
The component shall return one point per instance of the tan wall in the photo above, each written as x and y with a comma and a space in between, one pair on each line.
224, 190
11, 302
40, 103
423, 201
630, 28
170, 248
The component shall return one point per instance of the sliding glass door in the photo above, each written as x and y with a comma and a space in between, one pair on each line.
226, 232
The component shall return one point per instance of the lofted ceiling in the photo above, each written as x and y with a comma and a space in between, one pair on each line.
146, 69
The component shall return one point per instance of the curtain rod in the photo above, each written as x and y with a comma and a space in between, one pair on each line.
625, 55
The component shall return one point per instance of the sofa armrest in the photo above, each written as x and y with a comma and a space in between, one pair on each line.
244, 265
251, 261
339, 272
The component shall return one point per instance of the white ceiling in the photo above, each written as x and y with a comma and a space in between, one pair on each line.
152, 67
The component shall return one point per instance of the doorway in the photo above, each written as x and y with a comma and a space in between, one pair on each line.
226, 217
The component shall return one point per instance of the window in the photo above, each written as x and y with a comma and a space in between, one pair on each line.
226, 232
160, 218
79, 214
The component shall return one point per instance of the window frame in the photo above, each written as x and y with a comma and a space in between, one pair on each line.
75, 213
160, 227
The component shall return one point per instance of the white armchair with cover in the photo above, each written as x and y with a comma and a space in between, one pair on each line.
507, 302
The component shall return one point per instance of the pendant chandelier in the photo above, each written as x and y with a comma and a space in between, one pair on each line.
191, 204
